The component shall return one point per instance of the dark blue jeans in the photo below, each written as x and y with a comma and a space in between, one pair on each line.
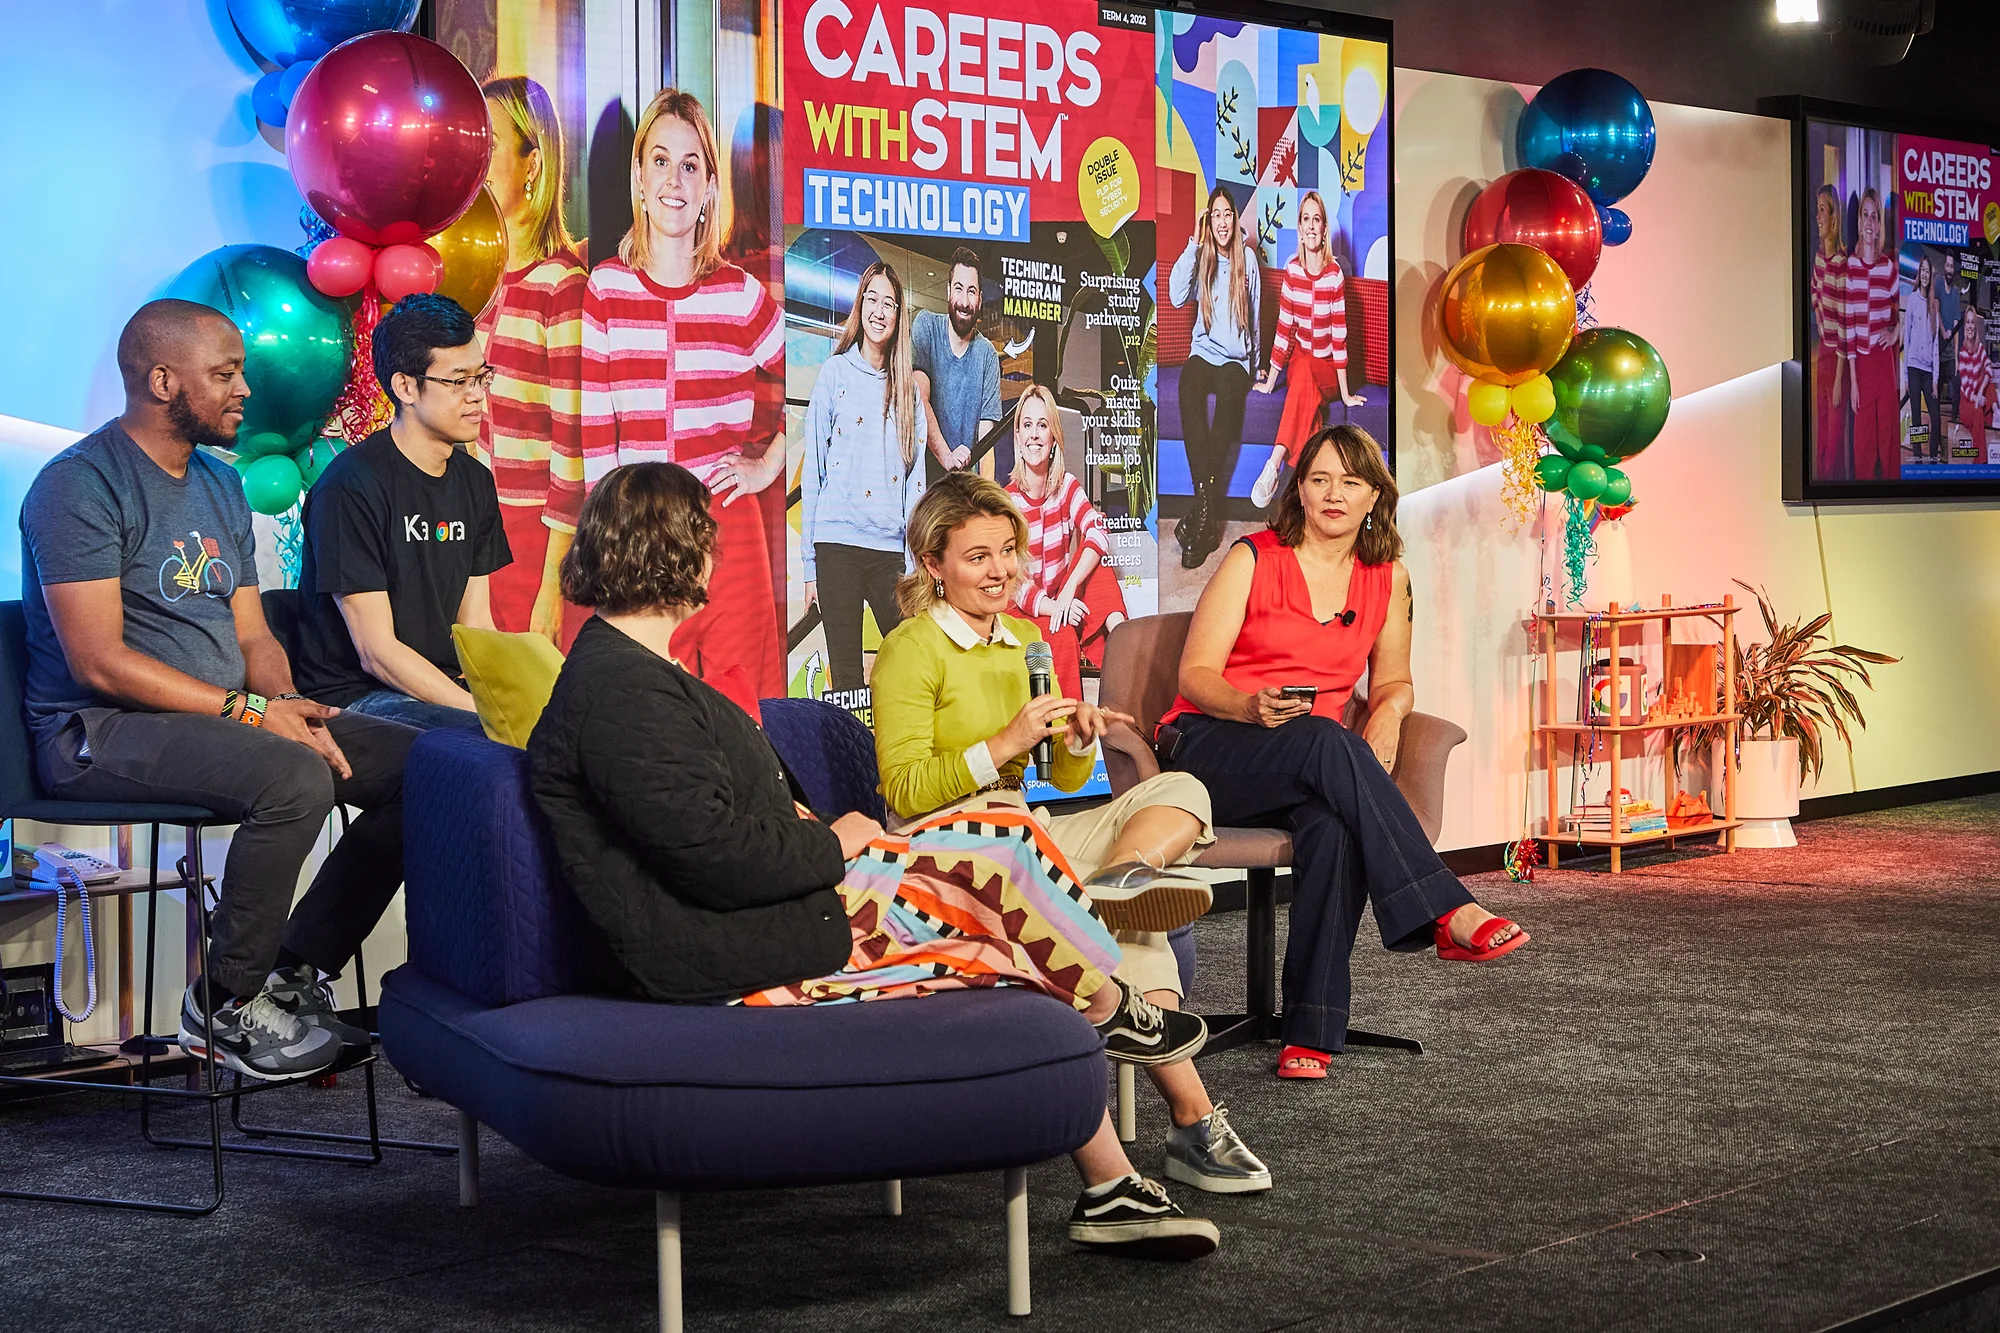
391, 706
1355, 842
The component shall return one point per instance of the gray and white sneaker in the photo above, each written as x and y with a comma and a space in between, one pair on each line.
1133, 1216
1132, 895
1139, 1032
1266, 486
1210, 1155
299, 992
257, 1039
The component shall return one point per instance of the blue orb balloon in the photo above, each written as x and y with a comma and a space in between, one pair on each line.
1617, 225
1592, 126
289, 81
285, 32
267, 101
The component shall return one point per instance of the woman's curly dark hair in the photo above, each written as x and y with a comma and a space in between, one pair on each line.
642, 543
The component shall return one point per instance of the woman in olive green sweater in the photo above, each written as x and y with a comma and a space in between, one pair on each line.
954, 727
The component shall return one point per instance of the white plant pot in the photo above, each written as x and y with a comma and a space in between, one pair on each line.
1767, 791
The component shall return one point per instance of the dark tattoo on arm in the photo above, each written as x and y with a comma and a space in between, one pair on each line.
1410, 601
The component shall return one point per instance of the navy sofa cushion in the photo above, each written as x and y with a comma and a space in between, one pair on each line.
830, 752
487, 910
631, 1093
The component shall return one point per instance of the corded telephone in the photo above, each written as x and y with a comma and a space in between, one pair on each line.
58, 869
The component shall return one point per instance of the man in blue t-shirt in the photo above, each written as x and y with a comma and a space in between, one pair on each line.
402, 530
153, 677
958, 374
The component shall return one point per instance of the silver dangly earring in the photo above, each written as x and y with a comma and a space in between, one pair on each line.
1368, 523
937, 587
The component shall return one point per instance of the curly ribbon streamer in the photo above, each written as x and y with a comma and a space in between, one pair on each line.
1520, 859
361, 409
1520, 445
1586, 309
291, 545
1579, 548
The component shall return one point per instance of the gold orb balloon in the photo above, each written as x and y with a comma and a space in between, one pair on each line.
474, 251
1506, 314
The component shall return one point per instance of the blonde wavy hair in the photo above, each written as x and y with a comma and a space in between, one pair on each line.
636, 248
1048, 400
1206, 257
533, 117
899, 389
945, 508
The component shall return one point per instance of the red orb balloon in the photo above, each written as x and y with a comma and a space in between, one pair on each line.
388, 138
1539, 208
340, 267
404, 270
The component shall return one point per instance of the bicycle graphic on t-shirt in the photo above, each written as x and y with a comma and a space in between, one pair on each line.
208, 573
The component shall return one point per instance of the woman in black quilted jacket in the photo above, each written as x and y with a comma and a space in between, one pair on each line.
678, 829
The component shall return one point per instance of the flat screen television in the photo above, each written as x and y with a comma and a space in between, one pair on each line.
1898, 262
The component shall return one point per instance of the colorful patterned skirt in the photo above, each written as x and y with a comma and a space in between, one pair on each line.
963, 901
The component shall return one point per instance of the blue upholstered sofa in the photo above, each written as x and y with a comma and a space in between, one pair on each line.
494, 1014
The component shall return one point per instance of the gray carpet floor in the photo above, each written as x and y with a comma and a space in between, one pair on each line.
1750, 1092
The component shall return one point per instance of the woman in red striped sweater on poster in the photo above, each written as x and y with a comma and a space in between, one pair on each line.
1311, 346
1070, 590
684, 362
1874, 331
1829, 311
534, 336
1975, 383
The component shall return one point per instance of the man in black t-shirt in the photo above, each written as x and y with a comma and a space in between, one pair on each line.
402, 530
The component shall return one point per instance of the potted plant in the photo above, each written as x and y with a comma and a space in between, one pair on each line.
1790, 692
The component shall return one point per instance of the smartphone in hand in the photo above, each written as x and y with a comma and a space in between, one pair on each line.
1305, 694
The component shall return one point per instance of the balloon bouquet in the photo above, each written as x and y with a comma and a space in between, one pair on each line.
1508, 314
386, 134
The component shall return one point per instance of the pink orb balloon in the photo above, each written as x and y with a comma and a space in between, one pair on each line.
340, 267
388, 138
404, 270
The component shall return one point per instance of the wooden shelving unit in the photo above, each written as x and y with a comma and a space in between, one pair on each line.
1552, 727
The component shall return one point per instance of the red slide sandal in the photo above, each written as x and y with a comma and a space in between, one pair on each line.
1302, 1062
1452, 951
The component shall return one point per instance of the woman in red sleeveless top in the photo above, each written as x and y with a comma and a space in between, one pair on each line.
1314, 601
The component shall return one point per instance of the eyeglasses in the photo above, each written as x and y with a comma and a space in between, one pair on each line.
464, 383
887, 304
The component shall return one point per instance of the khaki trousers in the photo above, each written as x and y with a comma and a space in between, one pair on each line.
1087, 837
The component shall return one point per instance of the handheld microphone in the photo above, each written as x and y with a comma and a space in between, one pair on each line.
1041, 681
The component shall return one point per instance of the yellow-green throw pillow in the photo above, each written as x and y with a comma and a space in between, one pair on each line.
511, 677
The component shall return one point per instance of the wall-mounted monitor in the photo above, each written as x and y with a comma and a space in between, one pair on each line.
1898, 265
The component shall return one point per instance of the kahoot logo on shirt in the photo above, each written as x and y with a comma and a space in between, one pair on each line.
415, 529
206, 573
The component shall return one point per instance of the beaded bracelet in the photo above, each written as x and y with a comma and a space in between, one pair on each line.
229, 699
253, 709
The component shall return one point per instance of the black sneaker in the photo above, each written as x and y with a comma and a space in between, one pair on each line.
257, 1039
1133, 1216
1142, 1033
299, 992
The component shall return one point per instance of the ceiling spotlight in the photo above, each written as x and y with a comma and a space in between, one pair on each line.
1798, 11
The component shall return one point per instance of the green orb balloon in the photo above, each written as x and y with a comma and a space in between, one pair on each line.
1552, 470
1586, 481
1593, 454
296, 341
312, 459
272, 484
1617, 488
1612, 391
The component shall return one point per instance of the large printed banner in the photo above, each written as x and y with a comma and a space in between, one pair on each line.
1041, 190
1095, 251
1902, 296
